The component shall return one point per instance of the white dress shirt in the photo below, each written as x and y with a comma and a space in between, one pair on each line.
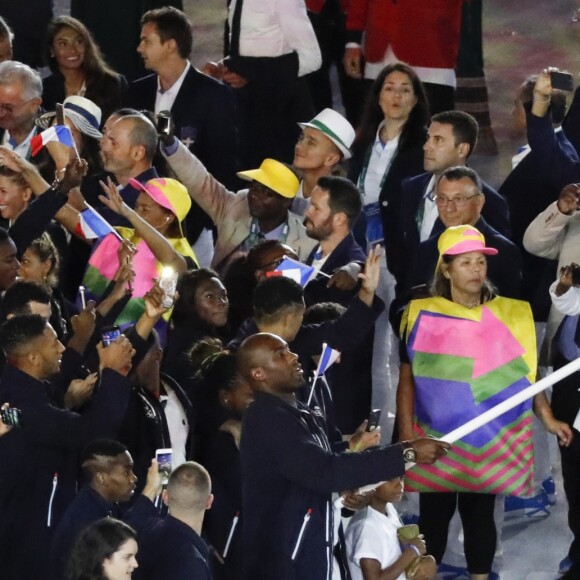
164, 99
275, 28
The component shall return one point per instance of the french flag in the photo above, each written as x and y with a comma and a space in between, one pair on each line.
294, 269
327, 358
93, 225
59, 133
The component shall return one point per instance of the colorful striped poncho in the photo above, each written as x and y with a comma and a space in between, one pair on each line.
464, 362
104, 263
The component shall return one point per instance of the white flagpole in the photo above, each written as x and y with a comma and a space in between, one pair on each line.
512, 402
324, 347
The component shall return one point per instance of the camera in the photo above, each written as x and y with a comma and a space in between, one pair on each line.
164, 123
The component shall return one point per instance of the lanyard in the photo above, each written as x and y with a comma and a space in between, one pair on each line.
363, 173
256, 236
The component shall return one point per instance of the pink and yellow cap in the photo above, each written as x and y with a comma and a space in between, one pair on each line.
460, 240
168, 193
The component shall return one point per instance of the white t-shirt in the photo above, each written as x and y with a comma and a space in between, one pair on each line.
371, 534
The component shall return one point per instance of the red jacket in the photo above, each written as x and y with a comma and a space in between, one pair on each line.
316, 6
421, 32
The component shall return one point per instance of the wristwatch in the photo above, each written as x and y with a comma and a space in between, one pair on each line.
409, 454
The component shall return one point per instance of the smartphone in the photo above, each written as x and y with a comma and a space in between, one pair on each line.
575, 275
163, 123
168, 283
11, 417
562, 81
59, 114
373, 420
110, 334
164, 458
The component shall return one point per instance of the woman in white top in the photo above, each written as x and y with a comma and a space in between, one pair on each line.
387, 149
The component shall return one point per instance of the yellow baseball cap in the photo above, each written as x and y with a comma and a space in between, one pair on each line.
460, 240
274, 175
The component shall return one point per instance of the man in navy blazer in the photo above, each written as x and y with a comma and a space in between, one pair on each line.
202, 108
460, 202
540, 170
451, 139
335, 205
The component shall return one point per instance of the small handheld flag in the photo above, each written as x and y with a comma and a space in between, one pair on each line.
93, 225
296, 270
327, 358
60, 133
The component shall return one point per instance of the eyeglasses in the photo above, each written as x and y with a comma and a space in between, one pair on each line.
9, 109
457, 201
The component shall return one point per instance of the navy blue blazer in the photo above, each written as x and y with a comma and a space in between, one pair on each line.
342, 334
504, 269
288, 468
555, 161
87, 507
168, 548
533, 185
571, 124
205, 121
407, 162
495, 211
38, 463
350, 406
317, 291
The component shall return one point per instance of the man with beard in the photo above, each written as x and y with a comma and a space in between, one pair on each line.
335, 205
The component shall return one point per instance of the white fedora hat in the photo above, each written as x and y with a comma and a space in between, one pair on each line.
335, 127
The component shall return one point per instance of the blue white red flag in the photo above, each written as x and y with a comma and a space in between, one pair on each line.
93, 225
60, 133
294, 269
327, 358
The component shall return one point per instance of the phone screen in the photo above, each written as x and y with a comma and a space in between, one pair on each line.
373, 421
110, 335
164, 458
562, 81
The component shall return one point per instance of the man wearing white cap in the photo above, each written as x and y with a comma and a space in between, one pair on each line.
243, 219
324, 142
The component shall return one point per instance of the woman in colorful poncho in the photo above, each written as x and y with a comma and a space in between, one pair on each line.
156, 236
466, 351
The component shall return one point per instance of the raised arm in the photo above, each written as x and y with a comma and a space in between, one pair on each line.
158, 244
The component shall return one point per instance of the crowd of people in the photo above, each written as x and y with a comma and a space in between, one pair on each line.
210, 278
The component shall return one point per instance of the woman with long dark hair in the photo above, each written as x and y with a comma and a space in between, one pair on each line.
78, 68
105, 550
388, 148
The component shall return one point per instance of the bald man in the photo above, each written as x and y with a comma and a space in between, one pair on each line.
171, 547
290, 469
